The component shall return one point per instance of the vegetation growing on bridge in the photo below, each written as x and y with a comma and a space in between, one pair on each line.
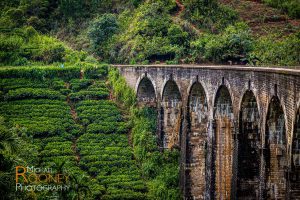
159, 169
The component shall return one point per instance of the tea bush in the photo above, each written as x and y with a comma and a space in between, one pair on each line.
33, 93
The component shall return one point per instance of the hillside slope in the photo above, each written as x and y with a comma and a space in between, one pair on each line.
263, 19
152, 31
89, 142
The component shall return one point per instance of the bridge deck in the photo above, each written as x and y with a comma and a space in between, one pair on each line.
292, 70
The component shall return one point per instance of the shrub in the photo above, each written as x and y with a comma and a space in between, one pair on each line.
292, 7
177, 35
101, 30
54, 54
283, 51
31, 93
41, 73
9, 47
123, 93
78, 84
88, 94
96, 72
209, 15
234, 44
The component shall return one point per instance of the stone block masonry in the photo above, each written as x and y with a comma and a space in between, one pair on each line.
237, 127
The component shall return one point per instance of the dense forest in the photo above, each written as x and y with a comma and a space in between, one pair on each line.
63, 107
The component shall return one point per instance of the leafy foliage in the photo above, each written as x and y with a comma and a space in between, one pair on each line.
291, 7
101, 30
132, 32
234, 44
209, 14
283, 51
160, 169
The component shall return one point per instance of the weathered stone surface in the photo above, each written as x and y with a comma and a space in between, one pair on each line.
236, 127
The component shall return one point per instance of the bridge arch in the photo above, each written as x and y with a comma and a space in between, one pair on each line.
197, 136
145, 91
248, 87
171, 114
166, 82
249, 137
202, 83
146, 77
276, 149
171, 91
225, 83
223, 143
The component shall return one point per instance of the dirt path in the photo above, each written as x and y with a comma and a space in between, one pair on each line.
74, 149
263, 19
184, 23
181, 7
75, 118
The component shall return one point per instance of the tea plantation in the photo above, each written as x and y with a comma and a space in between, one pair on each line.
69, 124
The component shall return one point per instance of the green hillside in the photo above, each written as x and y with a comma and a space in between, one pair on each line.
136, 31
63, 119
63, 108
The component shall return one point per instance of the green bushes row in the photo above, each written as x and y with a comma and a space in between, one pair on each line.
33, 93
95, 72
109, 158
92, 90
107, 127
51, 72
88, 94
78, 84
41, 73
101, 117
38, 117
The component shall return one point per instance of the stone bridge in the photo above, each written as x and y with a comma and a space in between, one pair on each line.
237, 128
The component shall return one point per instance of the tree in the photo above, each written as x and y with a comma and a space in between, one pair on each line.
101, 30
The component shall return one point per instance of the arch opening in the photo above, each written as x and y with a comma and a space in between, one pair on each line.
171, 115
275, 154
295, 168
248, 176
224, 144
146, 92
196, 142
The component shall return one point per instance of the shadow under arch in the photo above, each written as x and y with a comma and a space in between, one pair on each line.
196, 146
275, 151
171, 91
146, 93
171, 114
248, 175
223, 143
